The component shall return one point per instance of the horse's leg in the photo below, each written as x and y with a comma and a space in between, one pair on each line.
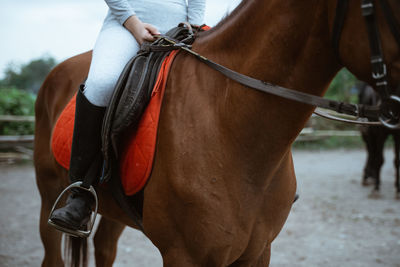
262, 261
177, 254
366, 135
379, 141
180, 240
49, 183
396, 138
106, 241
49, 188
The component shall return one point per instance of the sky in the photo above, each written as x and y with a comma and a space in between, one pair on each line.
62, 28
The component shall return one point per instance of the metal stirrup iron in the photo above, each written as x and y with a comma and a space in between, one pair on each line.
76, 233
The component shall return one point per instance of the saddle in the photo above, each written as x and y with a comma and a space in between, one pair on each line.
133, 92
130, 98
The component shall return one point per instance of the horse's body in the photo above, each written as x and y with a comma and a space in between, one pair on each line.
375, 138
223, 180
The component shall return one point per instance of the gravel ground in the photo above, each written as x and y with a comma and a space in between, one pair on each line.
334, 223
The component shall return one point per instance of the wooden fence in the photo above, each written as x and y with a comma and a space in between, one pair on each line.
21, 144
309, 134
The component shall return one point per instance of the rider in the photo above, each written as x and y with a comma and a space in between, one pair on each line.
127, 25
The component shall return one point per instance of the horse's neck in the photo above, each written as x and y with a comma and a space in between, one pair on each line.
282, 42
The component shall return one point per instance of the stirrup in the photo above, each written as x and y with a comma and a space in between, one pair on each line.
76, 233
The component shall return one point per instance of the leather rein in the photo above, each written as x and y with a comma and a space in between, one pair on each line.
387, 113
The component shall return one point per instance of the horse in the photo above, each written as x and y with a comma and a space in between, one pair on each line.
223, 180
374, 138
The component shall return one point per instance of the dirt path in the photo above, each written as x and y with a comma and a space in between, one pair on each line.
334, 223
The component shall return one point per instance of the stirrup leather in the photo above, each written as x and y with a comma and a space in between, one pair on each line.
76, 233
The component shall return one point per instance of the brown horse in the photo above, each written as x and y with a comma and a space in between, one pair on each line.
223, 181
374, 138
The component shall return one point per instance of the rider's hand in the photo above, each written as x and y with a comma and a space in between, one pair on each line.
141, 31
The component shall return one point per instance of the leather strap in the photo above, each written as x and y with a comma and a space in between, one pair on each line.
379, 72
123, 201
357, 110
340, 16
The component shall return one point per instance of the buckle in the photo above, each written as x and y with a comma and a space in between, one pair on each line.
378, 68
76, 233
367, 8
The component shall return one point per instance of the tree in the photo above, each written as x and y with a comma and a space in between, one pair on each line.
341, 87
20, 103
29, 76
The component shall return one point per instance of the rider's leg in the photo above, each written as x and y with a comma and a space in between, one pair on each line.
115, 46
85, 153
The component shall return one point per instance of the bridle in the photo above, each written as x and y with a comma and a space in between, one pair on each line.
387, 113
389, 107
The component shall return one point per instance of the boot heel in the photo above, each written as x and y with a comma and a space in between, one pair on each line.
76, 233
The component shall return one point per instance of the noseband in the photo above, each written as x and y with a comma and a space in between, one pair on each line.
387, 113
390, 106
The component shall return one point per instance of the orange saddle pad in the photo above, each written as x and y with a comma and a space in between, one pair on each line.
138, 154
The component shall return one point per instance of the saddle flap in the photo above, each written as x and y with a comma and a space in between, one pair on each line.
137, 92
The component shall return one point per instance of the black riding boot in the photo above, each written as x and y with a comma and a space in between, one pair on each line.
85, 156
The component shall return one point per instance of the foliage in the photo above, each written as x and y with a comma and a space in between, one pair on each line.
28, 76
16, 102
343, 87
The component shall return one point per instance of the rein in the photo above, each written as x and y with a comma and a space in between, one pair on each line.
384, 114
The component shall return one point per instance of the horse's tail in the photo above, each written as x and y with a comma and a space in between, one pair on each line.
75, 251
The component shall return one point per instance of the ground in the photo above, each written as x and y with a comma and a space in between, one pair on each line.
334, 223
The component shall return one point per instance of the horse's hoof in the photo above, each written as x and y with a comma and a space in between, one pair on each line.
397, 196
374, 194
368, 181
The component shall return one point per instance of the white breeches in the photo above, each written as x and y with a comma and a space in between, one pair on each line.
115, 46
